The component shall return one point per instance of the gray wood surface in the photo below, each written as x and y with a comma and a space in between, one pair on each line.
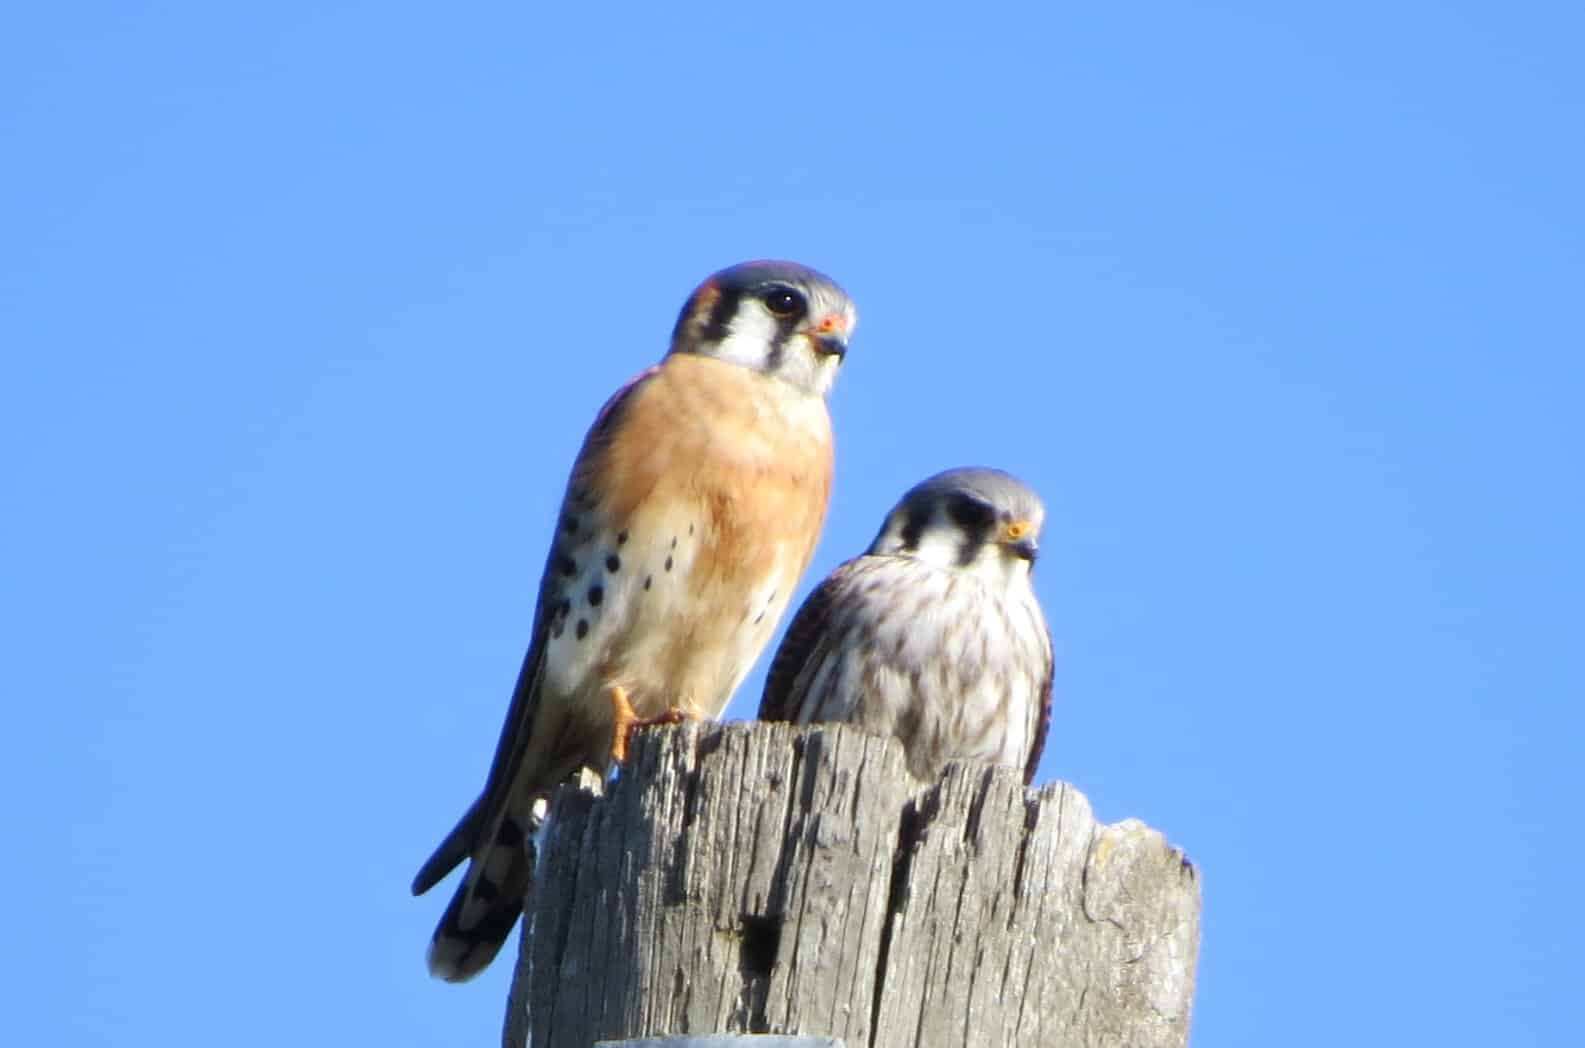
761, 878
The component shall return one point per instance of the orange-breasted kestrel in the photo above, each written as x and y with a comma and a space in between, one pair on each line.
691, 513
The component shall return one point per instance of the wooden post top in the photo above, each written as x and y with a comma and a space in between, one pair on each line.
768, 879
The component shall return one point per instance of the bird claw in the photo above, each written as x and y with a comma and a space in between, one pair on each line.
625, 721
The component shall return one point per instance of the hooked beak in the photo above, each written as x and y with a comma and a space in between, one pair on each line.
829, 346
830, 337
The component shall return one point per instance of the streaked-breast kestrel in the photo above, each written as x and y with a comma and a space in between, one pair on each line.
934, 635
691, 513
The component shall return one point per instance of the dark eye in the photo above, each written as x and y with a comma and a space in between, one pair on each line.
785, 302
970, 514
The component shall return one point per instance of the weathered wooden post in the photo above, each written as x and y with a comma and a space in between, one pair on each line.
760, 878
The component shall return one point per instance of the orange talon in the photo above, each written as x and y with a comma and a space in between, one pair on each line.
625, 720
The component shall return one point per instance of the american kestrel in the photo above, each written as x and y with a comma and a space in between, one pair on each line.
934, 635
691, 513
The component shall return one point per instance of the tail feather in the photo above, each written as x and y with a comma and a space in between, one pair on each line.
488, 901
449, 855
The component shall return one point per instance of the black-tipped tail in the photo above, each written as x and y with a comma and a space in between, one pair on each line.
459, 950
487, 904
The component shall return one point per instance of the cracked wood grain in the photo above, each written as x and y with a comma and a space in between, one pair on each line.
761, 878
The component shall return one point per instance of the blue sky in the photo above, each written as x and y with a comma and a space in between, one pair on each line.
305, 310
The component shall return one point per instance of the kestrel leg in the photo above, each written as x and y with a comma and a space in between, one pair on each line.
625, 720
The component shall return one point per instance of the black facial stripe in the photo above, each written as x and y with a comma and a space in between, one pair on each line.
721, 314
786, 326
914, 526
975, 520
778, 348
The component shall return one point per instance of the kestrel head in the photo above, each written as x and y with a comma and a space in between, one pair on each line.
975, 519
779, 318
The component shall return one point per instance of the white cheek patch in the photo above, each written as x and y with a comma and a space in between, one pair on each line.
749, 337
940, 547
755, 340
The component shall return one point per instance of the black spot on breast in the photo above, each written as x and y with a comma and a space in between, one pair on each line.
668, 562
647, 580
583, 628
567, 566
690, 531
613, 564
569, 524
674, 542
596, 595
621, 538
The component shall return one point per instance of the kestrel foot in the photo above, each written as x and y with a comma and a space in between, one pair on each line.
625, 720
